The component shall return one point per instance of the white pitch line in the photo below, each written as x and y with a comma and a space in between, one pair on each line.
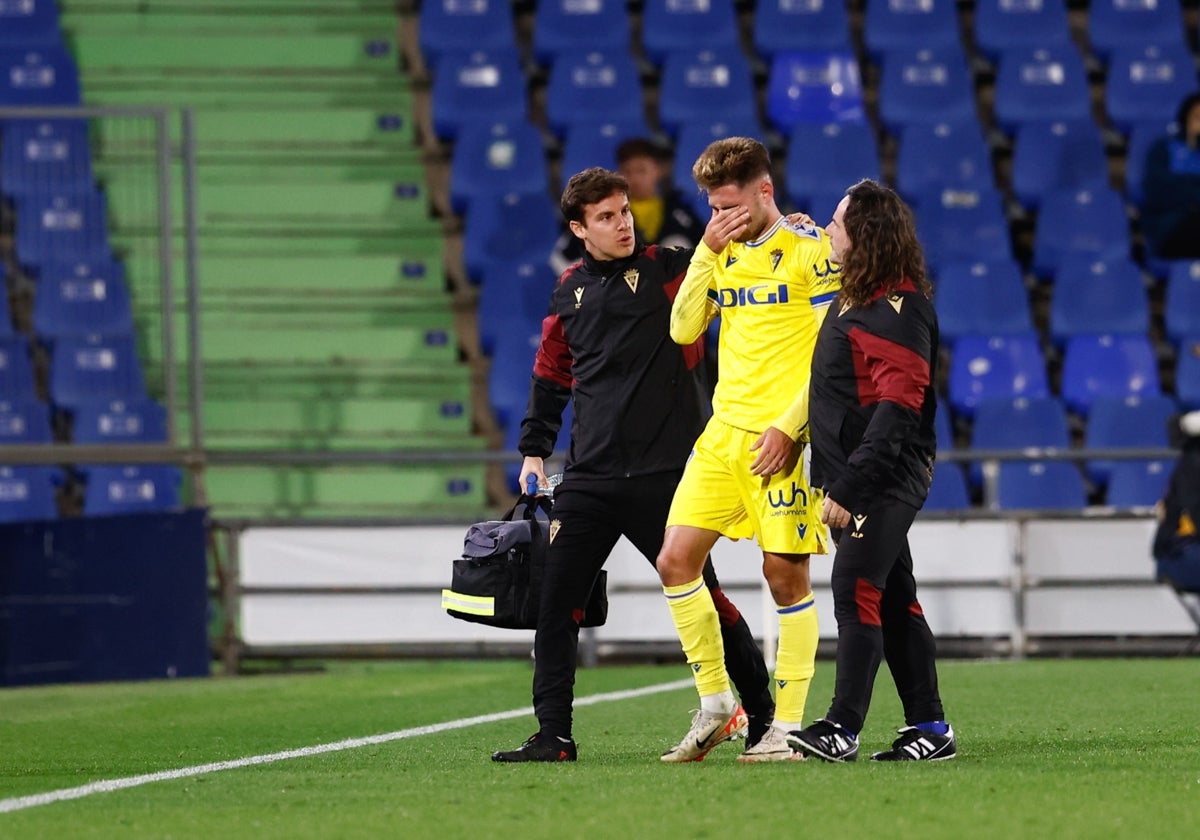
20, 803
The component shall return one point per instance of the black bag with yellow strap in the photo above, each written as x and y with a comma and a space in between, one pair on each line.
498, 580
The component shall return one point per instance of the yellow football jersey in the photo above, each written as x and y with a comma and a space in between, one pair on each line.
771, 294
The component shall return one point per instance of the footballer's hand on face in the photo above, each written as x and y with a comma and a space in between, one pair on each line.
725, 226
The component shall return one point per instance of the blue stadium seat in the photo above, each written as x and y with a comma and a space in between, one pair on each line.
1113, 24
45, 156
81, 299
1041, 485
45, 75
936, 155
28, 493
1002, 25
1182, 303
694, 138
1098, 296
120, 421
825, 158
6, 320
963, 225
670, 25
59, 227
1132, 422
1187, 373
1089, 223
29, 23
943, 427
928, 85
572, 26
450, 26
131, 489
508, 376
595, 144
822, 204
981, 298
908, 24
24, 421
1138, 483
513, 297
490, 160
1040, 85
1147, 83
1009, 366
490, 236
781, 25
587, 86
948, 491
1141, 137
16, 370
707, 84
93, 368
1058, 155
1016, 424
813, 86
1107, 366
482, 86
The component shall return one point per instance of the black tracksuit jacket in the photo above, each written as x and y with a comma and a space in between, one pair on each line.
872, 399
640, 400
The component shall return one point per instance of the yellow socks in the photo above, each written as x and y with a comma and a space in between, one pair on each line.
795, 660
699, 631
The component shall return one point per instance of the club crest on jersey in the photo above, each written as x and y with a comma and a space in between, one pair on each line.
631, 279
776, 258
555, 524
578, 296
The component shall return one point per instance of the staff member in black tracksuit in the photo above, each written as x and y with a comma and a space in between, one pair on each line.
639, 405
871, 409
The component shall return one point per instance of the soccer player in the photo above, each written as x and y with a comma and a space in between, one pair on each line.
770, 281
872, 404
639, 402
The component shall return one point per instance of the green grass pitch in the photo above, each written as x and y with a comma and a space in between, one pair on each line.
1047, 748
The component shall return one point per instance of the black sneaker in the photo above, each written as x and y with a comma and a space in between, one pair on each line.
540, 747
826, 740
917, 745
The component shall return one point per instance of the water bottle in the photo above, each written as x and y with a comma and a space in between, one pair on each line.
552, 481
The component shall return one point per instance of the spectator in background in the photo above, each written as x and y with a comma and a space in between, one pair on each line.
1176, 542
1171, 188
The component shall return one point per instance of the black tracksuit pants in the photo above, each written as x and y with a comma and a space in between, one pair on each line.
878, 616
594, 514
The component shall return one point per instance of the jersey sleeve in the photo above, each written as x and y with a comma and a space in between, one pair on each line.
695, 302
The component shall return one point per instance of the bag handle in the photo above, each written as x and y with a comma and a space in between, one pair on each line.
531, 504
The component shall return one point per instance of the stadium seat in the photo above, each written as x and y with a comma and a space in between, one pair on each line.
16, 370
943, 427
595, 143
508, 376
1138, 483
694, 138
782, 25
928, 85
1141, 137
1002, 25
1049, 156
589, 85
574, 26
6, 320
813, 86
1041, 485
81, 299
513, 297
948, 490
908, 24
1098, 296
1147, 83
1115, 24
483, 86
1007, 366
449, 26
29, 23
490, 234
1181, 307
1187, 373
45, 156
45, 75
24, 421
1089, 223
59, 227
824, 158
93, 368
490, 160
933, 156
959, 225
981, 298
28, 493
1130, 422
1016, 424
822, 203
131, 489
1107, 366
120, 421
670, 25
1041, 85
707, 84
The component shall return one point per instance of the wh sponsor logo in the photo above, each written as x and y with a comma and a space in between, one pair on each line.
779, 498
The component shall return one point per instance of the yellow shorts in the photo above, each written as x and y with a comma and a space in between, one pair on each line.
719, 493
